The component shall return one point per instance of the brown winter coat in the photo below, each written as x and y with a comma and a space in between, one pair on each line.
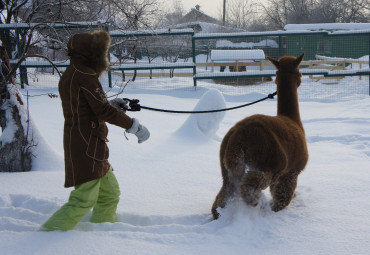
86, 109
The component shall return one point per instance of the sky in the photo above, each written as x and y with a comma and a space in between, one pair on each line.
211, 7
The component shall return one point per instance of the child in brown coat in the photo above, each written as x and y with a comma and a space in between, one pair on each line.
86, 110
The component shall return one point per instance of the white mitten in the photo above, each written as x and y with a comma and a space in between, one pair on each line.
139, 130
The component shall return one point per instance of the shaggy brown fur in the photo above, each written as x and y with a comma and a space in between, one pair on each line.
262, 151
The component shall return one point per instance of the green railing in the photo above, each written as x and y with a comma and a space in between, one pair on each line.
136, 50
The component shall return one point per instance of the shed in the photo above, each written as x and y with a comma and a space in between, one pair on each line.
338, 44
232, 58
237, 55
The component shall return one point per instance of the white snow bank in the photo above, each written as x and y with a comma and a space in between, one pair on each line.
168, 183
206, 124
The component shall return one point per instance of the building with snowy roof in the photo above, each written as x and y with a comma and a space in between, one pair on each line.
339, 43
196, 15
201, 22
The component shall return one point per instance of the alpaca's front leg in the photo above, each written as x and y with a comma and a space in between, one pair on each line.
283, 192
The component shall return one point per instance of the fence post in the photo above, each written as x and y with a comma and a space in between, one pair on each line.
194, 60
19, 50
280, 46
109, 73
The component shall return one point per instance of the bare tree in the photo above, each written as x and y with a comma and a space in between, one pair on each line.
9, 13
16, 140
241, 13
15, 145
47, 11
125, 14
137, 14
278, 13
39, 11
50, 11
281, 12
342, 11
173, 14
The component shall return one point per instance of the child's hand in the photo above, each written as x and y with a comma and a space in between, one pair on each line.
139, 130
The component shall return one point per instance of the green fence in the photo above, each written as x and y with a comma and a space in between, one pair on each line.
336, 60
339, 58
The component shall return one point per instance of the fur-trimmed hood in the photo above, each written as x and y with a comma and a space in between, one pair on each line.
90, 49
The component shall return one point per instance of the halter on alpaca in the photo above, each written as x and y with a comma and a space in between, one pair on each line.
266, 151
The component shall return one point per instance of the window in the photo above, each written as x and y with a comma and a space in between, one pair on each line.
324, 46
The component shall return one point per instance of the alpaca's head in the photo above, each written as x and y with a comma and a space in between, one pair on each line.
288, 64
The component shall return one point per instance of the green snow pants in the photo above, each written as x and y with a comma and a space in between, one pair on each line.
102, 195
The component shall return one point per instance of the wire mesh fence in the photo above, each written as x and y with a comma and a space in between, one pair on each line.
335, 63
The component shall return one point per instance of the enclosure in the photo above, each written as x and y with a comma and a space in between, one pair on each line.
329, 56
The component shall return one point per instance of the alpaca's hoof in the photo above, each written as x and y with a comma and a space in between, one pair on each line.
277, 206
215, 214
250, 196
251, 200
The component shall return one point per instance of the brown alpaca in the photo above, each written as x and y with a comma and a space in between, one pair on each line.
261, 151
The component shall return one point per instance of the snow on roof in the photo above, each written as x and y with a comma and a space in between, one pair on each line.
200, 11
206, 27
263, 43
351, 32
224, 55
55, 25
118, 33
196, 11
363, 28
328, 26
250, 34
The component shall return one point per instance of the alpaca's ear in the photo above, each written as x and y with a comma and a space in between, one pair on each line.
299, 59
274, 61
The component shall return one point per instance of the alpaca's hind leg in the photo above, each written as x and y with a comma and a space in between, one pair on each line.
231, 180
232, 168
222, 197
251, 185
283, 191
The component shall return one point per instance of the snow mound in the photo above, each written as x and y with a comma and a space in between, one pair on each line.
205, 124
46, 158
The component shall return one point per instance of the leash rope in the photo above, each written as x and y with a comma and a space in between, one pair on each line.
135, 106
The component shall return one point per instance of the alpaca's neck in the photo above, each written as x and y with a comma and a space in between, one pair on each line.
287, 101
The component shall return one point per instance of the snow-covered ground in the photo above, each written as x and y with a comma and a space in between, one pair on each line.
168, 183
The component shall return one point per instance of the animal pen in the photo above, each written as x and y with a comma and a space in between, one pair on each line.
336, 60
